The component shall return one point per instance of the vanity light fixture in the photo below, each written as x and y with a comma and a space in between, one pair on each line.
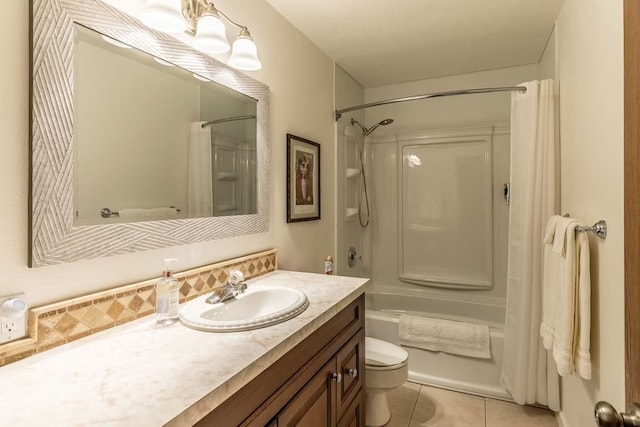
201, 19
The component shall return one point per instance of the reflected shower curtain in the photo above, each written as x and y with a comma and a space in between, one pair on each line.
528, 371
200, 194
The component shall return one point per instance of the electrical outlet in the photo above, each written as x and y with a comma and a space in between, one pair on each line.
13, 318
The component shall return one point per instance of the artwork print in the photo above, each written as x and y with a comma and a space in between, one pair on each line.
303, 179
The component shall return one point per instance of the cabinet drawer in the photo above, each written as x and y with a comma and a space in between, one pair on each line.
350, 361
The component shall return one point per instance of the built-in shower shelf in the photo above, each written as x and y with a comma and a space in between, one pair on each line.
351, 172
351, 212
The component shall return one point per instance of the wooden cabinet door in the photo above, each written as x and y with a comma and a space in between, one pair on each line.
350, 360
314, 405
354, 413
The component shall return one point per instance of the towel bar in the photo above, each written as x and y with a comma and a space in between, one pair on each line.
599, 228
108, 213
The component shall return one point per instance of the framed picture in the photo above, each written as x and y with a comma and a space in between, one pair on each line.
303, 179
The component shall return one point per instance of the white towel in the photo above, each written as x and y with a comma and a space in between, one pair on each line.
448, 336
583, 320
566, 308
557, 226
133, 213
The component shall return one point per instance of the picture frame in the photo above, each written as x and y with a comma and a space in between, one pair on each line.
303, 179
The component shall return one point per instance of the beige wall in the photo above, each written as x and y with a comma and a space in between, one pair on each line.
300, 78
590, 70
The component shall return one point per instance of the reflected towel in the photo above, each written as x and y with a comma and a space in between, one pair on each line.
134, 213
448, 336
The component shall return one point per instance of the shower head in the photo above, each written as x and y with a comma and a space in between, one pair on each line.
381, 123
366, 131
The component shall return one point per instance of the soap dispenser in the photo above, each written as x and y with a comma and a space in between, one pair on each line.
167, 296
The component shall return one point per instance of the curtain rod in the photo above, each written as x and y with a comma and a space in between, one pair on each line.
228, 119
431, 95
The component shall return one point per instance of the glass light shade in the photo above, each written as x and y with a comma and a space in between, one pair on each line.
244, 55
164, 15
210, 35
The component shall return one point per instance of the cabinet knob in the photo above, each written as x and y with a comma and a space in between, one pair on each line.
352, 372
336, 377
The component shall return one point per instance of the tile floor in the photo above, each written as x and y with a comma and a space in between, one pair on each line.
415, 405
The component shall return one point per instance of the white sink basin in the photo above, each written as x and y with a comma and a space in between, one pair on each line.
255, 308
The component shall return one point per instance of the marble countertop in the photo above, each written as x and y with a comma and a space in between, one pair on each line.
144, 374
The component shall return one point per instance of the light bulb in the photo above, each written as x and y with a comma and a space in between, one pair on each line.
210, 35
244, 55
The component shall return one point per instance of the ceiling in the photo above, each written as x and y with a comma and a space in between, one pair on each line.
381, 42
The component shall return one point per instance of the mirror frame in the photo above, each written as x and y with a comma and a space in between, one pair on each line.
53, 237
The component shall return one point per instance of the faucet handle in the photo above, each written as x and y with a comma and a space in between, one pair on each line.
235, 277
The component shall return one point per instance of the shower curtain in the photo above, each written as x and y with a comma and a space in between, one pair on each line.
528, 371
199, 195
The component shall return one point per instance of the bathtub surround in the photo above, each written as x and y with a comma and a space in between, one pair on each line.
427, 117
528, 372
552, 397
60, 323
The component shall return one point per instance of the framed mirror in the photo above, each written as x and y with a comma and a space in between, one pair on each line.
138, 140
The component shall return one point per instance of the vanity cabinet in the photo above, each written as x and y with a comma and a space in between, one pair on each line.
327, 398
320, 382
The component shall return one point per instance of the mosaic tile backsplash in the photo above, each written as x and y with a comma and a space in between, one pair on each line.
65, 321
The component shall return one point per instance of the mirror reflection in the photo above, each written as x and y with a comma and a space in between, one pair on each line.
153, 141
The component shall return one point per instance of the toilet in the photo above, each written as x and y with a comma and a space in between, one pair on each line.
386, 368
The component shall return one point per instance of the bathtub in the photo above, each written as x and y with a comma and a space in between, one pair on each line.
459, 373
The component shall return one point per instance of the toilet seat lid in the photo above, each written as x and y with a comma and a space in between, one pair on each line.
382, 353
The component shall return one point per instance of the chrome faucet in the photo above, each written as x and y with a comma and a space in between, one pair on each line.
229, 290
